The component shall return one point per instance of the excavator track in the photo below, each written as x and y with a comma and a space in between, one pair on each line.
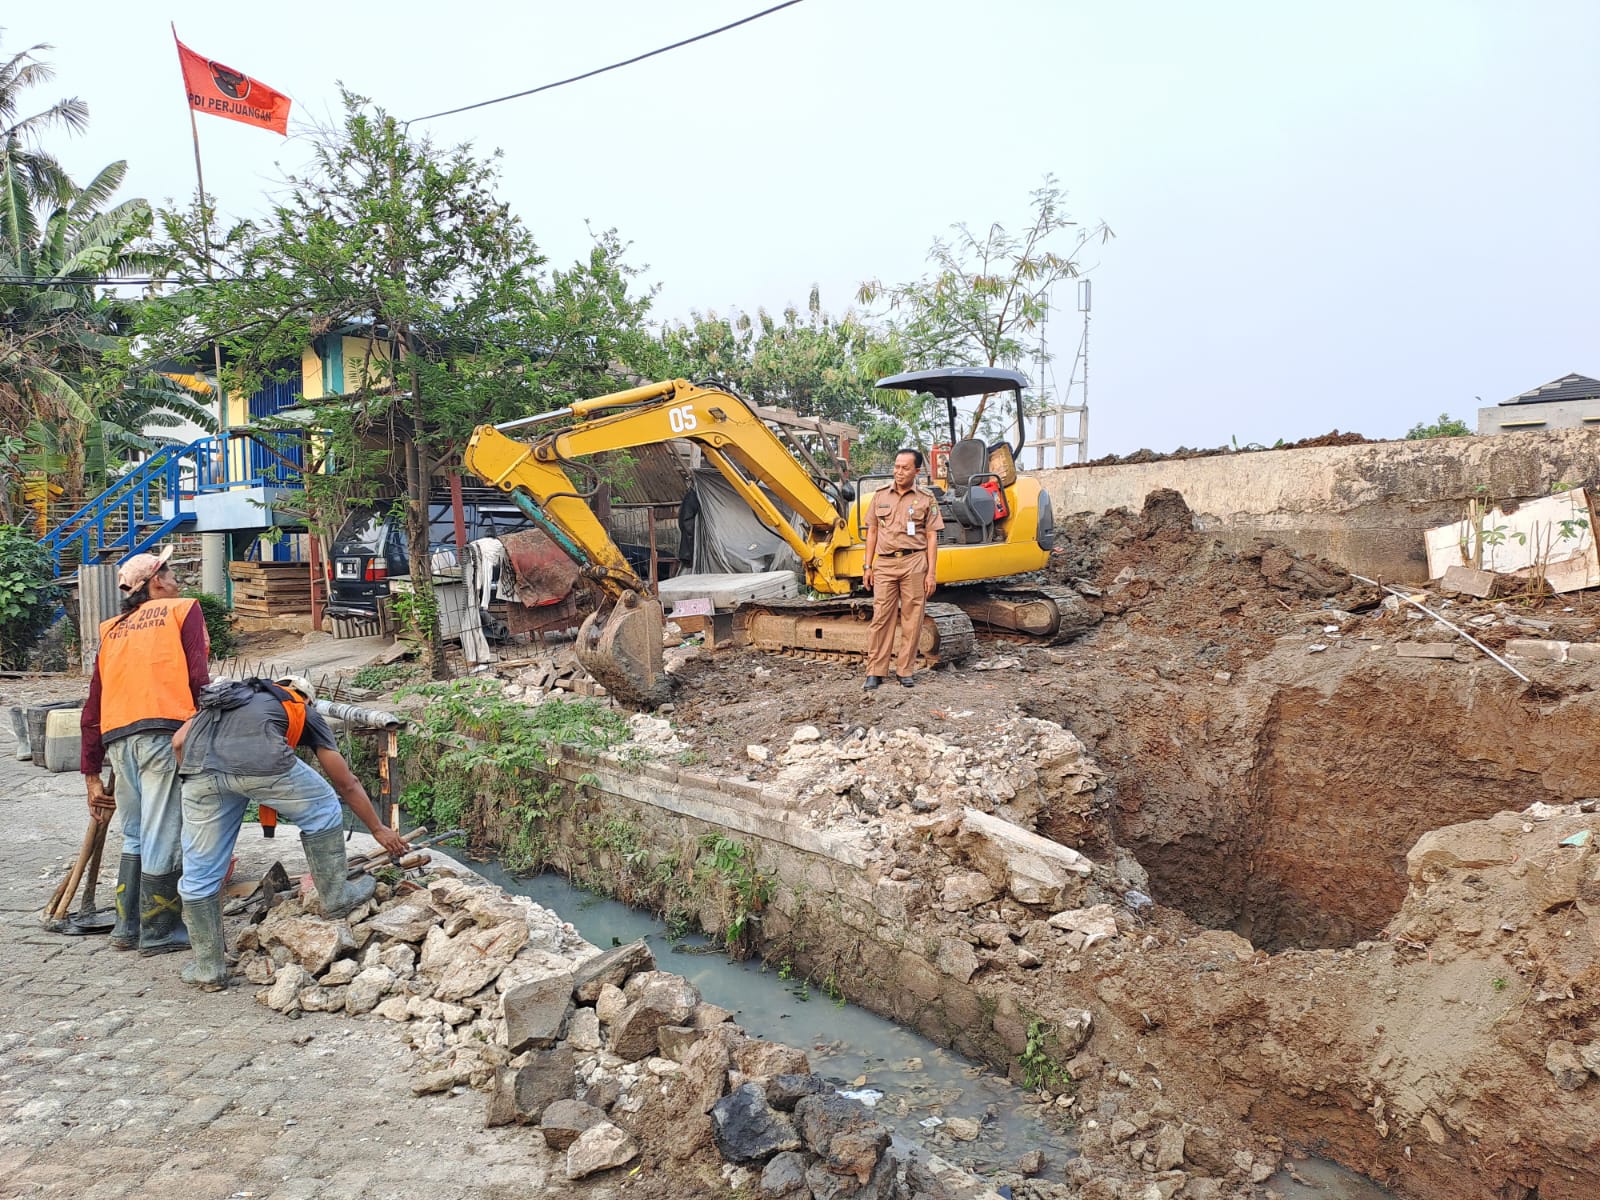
1042, 613
836, 630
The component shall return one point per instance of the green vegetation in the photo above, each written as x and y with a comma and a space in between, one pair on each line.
986, 300
505, 773
73, 404
1039, 1068
1445, 426
1499, 984
219, 624
27, 595
813, 362
745, 888
408, 246
376, 676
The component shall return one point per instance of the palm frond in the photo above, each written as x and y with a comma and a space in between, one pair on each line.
99, 190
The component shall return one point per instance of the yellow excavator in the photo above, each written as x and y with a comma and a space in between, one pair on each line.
997, 525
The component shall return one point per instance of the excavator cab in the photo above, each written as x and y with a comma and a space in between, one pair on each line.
972, 477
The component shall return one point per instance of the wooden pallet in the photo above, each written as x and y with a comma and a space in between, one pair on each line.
270, 589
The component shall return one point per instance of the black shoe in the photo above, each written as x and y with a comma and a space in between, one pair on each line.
871, 684
905, 681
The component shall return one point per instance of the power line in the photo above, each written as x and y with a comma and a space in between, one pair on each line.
699, 37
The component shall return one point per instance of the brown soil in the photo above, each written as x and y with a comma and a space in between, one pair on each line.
1271, 762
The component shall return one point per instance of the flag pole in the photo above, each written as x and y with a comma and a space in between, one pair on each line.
205, 238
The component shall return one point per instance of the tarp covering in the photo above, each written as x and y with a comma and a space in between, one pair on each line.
727, 536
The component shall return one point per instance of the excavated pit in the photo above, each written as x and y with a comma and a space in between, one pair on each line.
1282, 808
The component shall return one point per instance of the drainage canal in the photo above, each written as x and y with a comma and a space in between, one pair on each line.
918, 1088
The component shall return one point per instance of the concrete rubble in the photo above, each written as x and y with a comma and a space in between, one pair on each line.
608, 1058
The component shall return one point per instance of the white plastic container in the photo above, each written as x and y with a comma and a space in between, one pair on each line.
63, 740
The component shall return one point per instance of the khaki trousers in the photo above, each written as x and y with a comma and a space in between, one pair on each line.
899, 594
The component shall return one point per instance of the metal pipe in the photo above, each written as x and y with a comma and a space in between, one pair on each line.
553, 415
354, 714
1394, 591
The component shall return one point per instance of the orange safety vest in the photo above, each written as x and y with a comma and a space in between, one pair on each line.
294, 707
144, 675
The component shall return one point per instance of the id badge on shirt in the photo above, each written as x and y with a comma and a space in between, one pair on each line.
911, 527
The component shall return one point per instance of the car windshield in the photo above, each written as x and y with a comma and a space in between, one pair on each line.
362, 528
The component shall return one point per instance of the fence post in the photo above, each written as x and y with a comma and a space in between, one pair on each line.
98, 600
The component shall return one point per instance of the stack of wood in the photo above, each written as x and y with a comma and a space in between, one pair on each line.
269, 589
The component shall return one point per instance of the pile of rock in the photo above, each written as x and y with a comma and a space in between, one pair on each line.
437, 958
615, 1057
1026, 766
607, 1057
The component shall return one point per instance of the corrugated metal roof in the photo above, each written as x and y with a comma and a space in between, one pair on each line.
1568, 387
651, 474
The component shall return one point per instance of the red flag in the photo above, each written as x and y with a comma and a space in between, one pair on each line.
224, 92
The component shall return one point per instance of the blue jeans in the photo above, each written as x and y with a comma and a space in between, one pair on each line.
149, 799
213, 810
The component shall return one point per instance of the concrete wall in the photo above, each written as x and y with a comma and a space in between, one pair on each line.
1574, 414
1363, 507
641, 833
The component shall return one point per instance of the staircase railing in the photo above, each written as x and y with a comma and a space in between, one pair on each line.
128, 517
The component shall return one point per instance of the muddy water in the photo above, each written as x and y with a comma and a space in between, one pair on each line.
913, 1085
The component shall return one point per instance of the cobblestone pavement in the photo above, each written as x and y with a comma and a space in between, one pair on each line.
116, 1080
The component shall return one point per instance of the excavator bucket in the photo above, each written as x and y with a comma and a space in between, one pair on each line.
622, 650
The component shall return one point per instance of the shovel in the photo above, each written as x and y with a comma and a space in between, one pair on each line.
90, 918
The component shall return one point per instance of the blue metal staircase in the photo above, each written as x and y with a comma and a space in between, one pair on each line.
155, 499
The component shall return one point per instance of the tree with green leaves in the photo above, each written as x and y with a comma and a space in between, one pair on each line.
29, 174
813, 362
987, 297
387, 238
1445, 426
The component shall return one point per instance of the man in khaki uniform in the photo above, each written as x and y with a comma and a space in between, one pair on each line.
902, 542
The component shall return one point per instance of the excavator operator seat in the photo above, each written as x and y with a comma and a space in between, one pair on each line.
968, 457
972, 504
973, 507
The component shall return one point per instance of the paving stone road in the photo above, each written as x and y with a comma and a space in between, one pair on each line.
116, 1080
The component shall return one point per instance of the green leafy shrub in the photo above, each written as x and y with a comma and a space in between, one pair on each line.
375, 676
507, 768
1445, 426
28, 595
219, 624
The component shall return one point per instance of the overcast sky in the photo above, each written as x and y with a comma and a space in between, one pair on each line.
1351, 215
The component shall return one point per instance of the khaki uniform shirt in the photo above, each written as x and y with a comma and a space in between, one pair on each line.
904, 518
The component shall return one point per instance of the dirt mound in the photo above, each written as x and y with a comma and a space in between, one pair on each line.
1332, 438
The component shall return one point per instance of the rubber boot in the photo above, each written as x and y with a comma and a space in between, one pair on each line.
208, 971
325, 856
125, 934
161, 928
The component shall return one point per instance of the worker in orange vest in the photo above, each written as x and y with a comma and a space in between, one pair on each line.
240, 747
150, 668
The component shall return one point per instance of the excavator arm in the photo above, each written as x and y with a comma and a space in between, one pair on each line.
732, 438
622, 648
